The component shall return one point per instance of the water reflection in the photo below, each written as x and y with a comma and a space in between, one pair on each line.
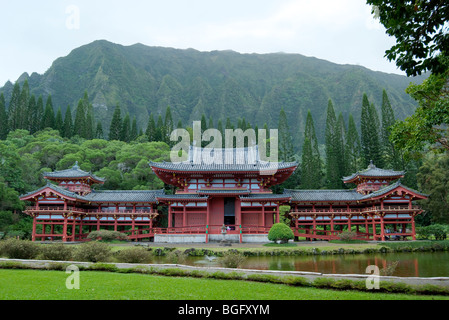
422, 264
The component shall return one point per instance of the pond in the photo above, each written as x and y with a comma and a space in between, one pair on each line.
416, 264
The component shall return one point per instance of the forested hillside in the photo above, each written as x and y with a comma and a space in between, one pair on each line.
218, 84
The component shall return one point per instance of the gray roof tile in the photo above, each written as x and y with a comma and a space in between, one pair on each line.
373, 171
74, 172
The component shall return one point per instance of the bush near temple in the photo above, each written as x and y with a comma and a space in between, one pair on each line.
135, 255
93, 251
280, 232
18, 249
58, 252
106, 235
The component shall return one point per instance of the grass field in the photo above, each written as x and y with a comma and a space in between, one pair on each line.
95, 285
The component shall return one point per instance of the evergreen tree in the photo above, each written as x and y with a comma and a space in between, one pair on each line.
24, 100
211, 123
160, 129
40, 110
352, 148
311, 174
151, 129
99, 131
48, 121
126, 128
370, 134
392, 156
115, 128
3, 118
89, 132
285, 138
80, 119
333, 174
31, 115
59, 124
67, 130
14, 109
340, 147
179, 125
168, 125
133, 131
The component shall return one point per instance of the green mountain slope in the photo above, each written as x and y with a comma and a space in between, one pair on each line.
220, 84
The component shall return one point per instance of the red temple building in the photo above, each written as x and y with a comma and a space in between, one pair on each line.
213, 196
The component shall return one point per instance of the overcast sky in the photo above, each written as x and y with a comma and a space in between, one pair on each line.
35, 33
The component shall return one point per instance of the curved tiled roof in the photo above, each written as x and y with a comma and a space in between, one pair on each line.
373, 171
124, 195
55, 188
223, 160
324, 195
74, 172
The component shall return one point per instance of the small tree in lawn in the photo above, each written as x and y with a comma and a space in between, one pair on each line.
281, 233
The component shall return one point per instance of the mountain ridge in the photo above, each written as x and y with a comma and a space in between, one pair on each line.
143, 79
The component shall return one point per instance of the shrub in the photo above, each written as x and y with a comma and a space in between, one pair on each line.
135, 255
348, 235
280, 232
106, 235
18, 249
176, 256
58, 251
231, 259
93, 251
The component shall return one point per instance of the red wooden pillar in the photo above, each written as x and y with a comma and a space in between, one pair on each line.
33, 234
277, 213
184, 216
115, 222
263, 215
207, 220
73, 227
133, 225
170, 223
43, 230
413, 227
80, 231
382, 231
64, 229
374, 226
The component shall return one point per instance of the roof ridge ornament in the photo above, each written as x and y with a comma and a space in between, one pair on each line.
76, 166
371, 165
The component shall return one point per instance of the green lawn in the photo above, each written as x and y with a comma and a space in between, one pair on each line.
94, 285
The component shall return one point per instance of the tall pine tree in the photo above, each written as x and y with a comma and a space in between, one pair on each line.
67, 130
115, 128
311, 173
126, 129
392, 157
14, 114
3, 118
59, 124
48, 121
370, 140
151, 129
332, 143
352, 148
285, 138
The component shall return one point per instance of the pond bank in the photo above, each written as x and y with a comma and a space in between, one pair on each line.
298, 248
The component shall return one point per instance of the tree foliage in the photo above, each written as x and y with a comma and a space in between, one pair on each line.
421, 32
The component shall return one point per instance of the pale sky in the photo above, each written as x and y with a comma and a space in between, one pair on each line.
35, 33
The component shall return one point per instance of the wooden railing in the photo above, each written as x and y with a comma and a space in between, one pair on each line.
60, 209
356, 211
